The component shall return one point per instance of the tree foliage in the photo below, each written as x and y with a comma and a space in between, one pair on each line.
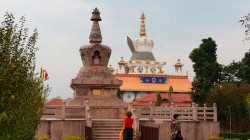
235, 96
171, 90
232, 72
237, 72
159, 99
245, 73
22, 93
119, 93
245, 21
206, 68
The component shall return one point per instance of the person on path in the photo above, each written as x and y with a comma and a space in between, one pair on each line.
176, 128
128, 123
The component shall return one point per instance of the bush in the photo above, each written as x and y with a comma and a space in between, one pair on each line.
44, 138
220, 138
235, 96
73, 138
137, 133
242, 136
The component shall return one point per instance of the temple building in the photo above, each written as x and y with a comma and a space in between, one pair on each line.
143, 74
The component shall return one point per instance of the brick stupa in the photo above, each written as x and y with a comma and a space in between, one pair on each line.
95, 82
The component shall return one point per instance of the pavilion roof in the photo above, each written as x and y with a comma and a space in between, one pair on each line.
178, 99
54, 102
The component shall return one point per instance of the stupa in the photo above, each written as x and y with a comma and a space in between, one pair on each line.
143, 74
142, 60
95, 81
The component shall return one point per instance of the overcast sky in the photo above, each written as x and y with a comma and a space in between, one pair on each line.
176, 27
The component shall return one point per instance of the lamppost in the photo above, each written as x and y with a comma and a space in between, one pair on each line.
230, 116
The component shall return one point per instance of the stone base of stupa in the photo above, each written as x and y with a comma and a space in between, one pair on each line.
101, 109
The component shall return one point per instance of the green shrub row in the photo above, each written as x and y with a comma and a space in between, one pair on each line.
66, 138
241, 136
220, 138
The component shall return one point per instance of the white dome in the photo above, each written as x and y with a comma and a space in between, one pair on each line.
128, 96
143, 44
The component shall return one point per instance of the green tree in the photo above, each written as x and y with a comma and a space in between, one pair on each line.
22, 93
206, 68
245, 21
119, 93
235, 96
245, 71
170, 92
232, 73
238, 72
159, 99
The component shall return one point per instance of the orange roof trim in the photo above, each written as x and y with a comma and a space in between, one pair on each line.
179, 64
122, 62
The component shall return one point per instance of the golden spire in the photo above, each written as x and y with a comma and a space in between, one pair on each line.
143, 30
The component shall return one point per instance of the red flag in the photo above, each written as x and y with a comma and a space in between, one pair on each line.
46, 75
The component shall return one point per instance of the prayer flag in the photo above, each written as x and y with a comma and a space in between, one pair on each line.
44, 74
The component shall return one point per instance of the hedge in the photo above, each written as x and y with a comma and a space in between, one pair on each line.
66, 138
242, 136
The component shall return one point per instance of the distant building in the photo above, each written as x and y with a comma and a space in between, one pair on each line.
177, 99
143, 74
54, 102
68, 99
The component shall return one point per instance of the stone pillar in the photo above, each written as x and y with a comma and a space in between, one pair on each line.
130, 106
194, 112
136, 119
172, 110
151, 110
215, 112
205, 108
63, 109
87, 115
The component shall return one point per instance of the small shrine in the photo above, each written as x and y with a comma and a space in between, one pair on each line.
178, 67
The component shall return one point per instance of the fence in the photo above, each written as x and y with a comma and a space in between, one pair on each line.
193, 113
64, 111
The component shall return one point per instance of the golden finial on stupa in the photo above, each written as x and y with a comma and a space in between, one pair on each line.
143, 30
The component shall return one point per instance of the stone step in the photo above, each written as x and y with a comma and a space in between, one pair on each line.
107, 129
106, 135
107, 126
107, 138
106, 132
102, 123
107, 122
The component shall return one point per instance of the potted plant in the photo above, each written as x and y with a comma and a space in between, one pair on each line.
137, 134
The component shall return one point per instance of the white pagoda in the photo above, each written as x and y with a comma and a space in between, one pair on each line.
142, 60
